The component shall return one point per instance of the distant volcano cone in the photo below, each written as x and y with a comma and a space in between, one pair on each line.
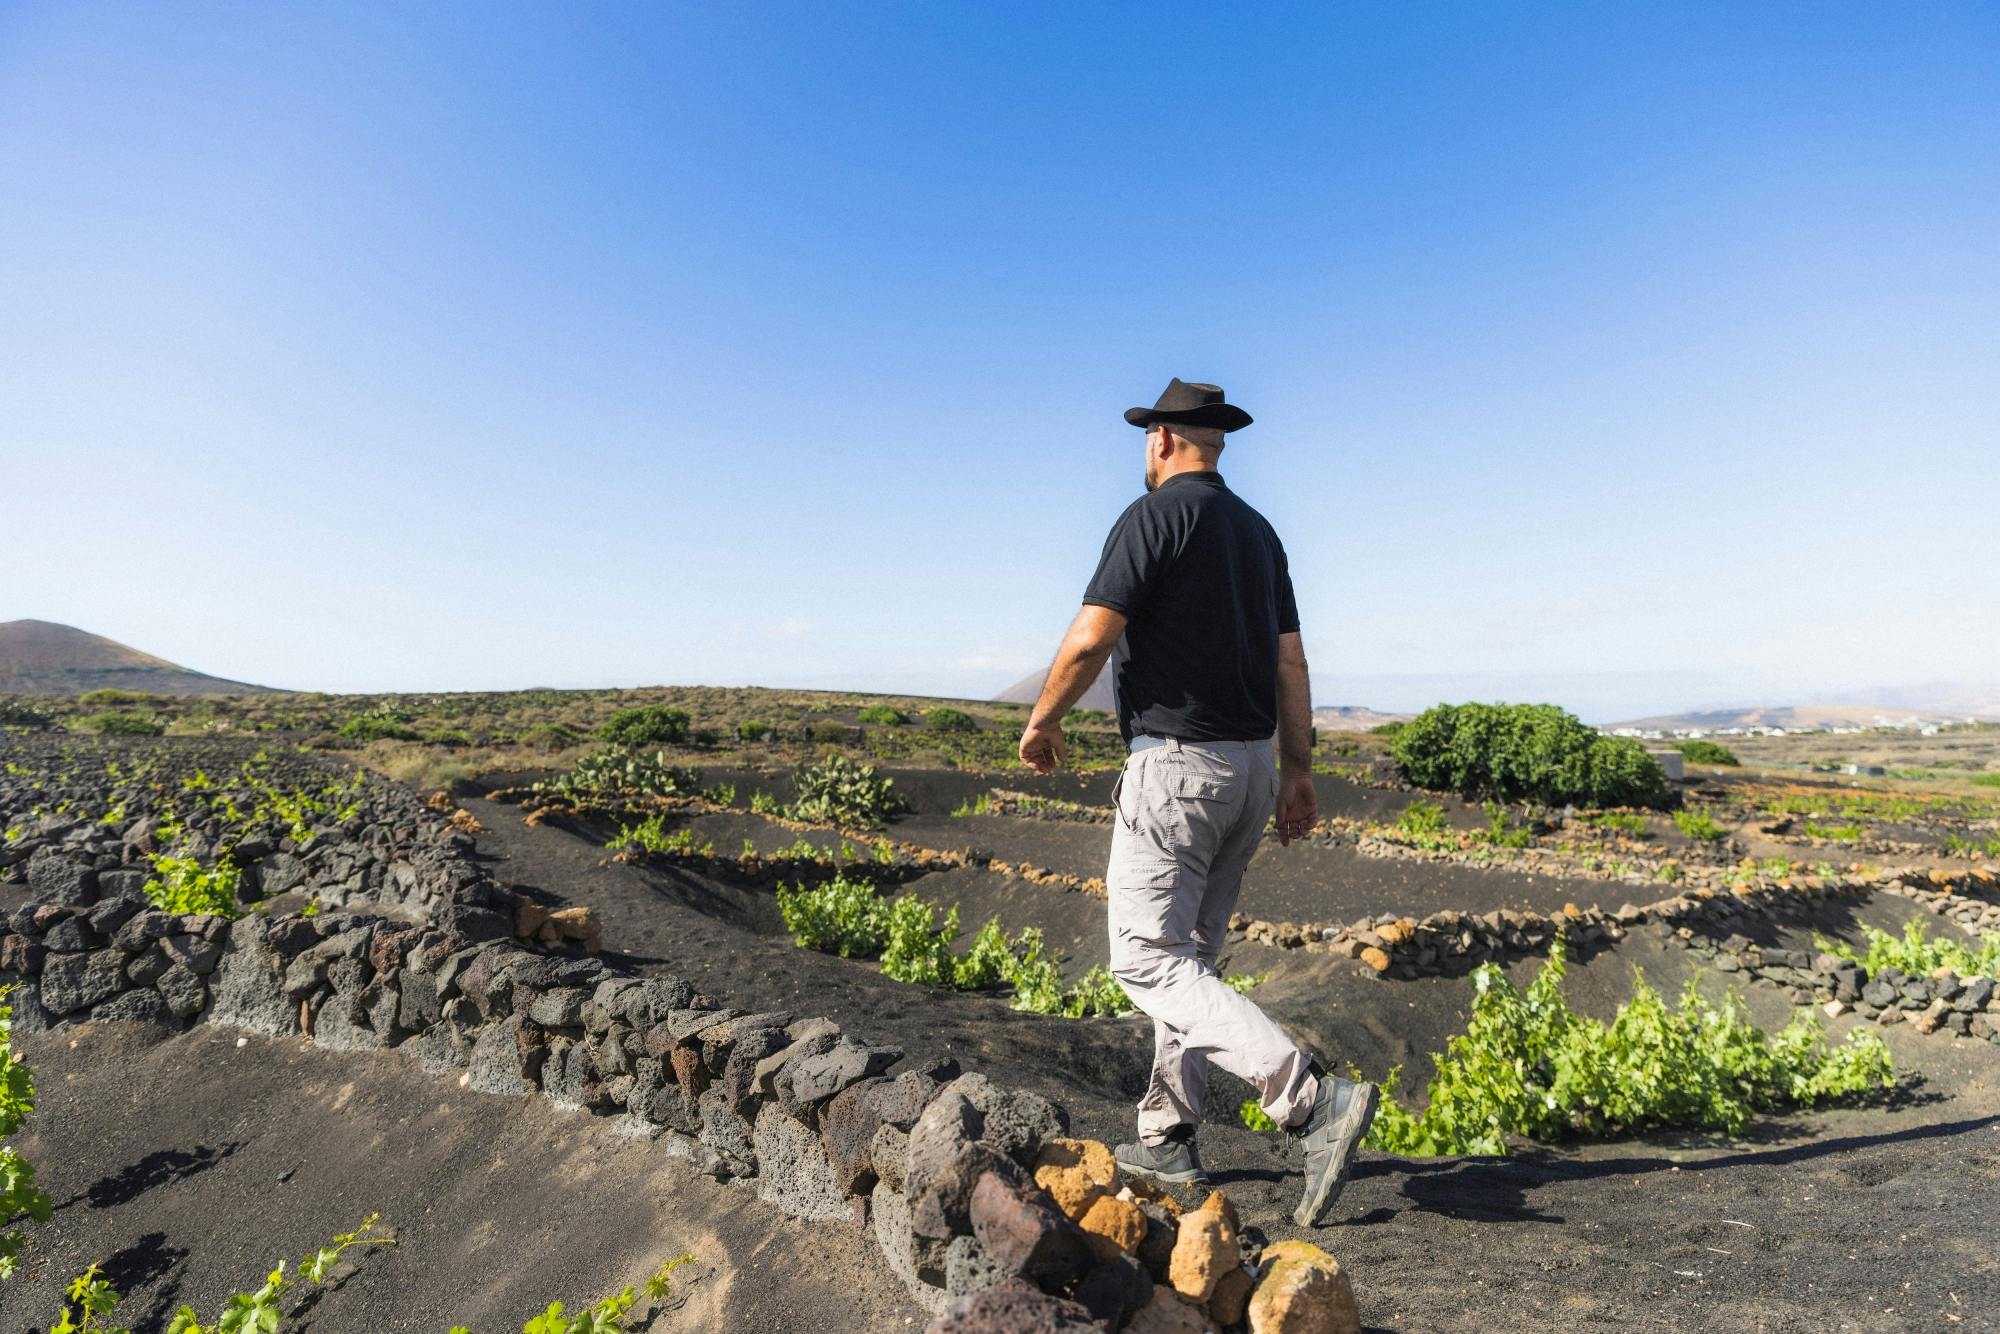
43, 658
1029, 688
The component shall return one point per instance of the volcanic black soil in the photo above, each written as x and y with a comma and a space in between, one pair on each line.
1865, 1218
194, 1162
189, 1165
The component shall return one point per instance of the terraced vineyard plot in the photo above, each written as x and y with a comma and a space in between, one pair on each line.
681, 904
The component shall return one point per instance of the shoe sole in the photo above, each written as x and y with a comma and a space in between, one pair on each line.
1348, 1131
1168, 1178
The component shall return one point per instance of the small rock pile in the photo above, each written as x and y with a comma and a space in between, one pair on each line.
1069, 1248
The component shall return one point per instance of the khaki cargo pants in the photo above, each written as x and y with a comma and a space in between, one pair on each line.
1190, 817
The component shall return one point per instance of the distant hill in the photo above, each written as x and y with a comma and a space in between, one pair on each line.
1810, 717
1354, 718
1029, 688
43, 658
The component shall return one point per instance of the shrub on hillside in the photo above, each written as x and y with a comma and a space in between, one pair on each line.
24, 713
844, 792
1532, 752
646, 725
752, 731
614, 771
123, 724
1700, 826
108, 697
383, 724
950, 720
826, 732
883, 715
1706, 752
550, 736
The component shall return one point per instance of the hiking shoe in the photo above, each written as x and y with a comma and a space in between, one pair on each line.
1340, 1116
1176, 1162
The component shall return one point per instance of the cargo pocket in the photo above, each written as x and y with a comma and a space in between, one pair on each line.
1202, 810
1151, 828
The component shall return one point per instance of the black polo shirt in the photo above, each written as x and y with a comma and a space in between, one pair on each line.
1202, 581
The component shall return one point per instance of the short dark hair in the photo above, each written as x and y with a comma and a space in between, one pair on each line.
1201, 437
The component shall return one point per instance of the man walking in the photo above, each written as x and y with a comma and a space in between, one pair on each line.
1193, 593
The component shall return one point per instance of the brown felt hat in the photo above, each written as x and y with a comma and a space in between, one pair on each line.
1187, 404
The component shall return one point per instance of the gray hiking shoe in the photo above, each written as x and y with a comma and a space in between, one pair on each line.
1332, 1132
1177, 1161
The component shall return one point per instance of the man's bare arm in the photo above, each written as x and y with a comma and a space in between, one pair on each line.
1298, 804
1092, 636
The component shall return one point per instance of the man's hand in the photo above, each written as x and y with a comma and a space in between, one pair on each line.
1298, 806
1042, 747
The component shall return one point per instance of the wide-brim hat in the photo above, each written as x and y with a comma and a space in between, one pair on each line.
1187, 404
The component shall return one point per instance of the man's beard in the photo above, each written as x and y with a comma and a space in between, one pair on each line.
1152, 482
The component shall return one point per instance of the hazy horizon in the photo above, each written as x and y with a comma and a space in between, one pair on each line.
1636, 359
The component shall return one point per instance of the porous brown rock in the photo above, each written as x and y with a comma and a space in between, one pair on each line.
1076, 1172
1205, 1249
1303, 1291
1113, 1227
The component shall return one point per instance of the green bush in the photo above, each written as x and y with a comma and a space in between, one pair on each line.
883, 715
950, 720
1421, 819
752, 731
1392, 728
849, 917
844, 792
1916, 954
646, 725
27, 713
550, 736
1706, 752
183, 885
1699, 825
20, 1200
1520, 752
1528, 1065
1254, 1117
829, 733
1500, 833
918, 949
1986, 780
607, 772
378, 725
842, 916
123, 724
108, 697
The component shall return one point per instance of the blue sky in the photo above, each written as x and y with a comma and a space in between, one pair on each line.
1634, 357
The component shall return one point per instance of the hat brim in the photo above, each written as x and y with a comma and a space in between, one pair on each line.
1221, 416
